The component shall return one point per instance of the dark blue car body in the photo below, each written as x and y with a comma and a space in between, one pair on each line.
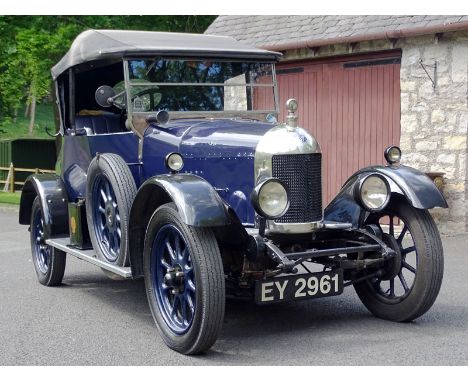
220, 151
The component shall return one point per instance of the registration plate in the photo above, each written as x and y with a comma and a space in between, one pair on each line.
298, 287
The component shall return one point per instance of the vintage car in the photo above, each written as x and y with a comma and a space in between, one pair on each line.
174, 168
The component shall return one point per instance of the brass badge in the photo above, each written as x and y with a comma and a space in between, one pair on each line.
73, 224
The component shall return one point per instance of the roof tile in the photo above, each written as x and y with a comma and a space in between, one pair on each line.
263, 30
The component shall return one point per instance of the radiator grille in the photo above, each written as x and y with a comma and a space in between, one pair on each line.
302, 173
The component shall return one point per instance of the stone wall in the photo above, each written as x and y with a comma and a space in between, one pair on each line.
434, 122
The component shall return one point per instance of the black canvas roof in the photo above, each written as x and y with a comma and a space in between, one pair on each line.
93, 45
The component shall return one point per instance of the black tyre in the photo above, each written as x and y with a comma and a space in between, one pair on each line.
413, 279
184, 282
48, 261
109, 195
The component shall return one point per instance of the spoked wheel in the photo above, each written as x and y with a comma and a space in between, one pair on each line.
412, 279
107, 222
42, 252
49, 262
109, 195
184, 282
174, 280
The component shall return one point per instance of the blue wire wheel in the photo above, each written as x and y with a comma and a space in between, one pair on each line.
184, 281
106, 217
173, 279
42, 252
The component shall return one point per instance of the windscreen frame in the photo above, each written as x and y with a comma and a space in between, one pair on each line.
130, 85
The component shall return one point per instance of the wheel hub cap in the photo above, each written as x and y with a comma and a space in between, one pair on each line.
394, 264
174, 278
110, 215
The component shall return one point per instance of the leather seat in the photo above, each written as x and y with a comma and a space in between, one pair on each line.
99, 124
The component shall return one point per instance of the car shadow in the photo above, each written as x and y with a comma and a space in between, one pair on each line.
242, 317
247, 325
127, 296
130, 295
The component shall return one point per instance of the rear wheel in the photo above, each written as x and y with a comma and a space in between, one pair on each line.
184, 282
48, 261
413, 278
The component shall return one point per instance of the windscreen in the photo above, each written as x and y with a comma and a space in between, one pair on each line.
201, 86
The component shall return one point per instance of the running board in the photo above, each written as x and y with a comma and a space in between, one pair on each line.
88, 255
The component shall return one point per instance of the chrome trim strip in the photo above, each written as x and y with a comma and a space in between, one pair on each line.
59, 106
292, 228
129, 110
233, 113
337, 225
118, 133
88, 256
136, 84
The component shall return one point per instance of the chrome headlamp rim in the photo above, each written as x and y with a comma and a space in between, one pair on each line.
358, 192
168, 163
255, 197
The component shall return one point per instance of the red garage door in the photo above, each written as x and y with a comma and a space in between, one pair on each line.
352, 107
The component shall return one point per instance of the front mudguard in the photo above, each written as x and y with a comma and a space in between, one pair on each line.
416, 187
54, 201
197, 202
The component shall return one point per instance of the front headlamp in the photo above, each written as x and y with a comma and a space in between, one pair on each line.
270, 198
373, 192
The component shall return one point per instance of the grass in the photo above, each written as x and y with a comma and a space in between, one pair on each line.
44, 118
10, 197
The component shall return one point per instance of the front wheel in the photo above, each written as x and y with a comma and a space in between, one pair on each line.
413, 278
184, 281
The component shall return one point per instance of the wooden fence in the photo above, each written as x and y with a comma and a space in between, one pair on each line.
10, 183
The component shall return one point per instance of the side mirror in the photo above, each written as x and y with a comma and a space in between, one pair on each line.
105, 96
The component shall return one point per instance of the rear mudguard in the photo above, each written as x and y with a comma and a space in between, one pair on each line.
196, 200
416, 187
54, 200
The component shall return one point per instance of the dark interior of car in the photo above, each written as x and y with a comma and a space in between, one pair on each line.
90, 118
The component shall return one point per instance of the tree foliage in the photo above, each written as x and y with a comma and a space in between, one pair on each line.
31, 45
